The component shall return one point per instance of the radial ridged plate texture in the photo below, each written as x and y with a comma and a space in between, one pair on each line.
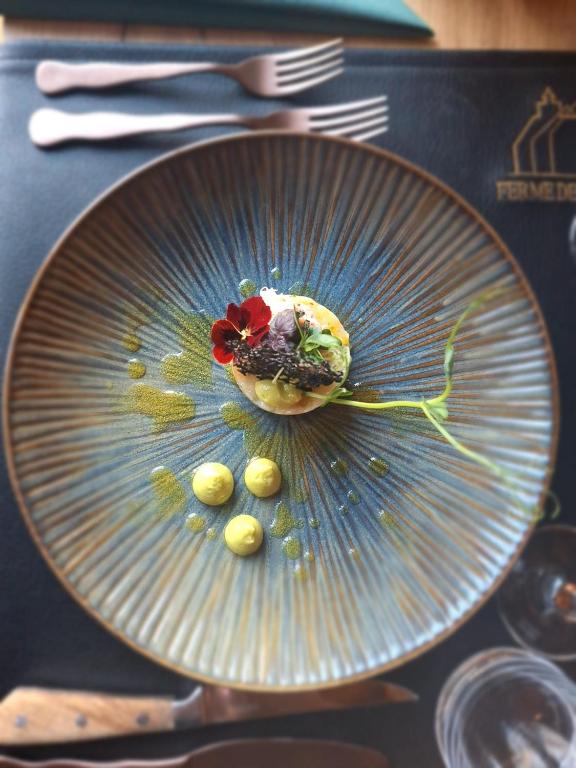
383, 538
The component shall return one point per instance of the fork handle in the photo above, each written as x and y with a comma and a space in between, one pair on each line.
52, 126
58, 76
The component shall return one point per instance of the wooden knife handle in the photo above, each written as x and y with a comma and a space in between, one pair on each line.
39, 716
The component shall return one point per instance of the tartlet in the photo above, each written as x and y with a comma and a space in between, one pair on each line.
288, 353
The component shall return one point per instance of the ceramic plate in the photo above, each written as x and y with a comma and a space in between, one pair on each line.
384, 538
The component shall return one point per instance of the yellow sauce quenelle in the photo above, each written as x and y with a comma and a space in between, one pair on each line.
263, 477
243, 535
212, 483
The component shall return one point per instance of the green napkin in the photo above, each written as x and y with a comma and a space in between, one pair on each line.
349, 17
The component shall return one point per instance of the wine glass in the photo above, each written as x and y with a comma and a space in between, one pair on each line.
538, 600
507, 708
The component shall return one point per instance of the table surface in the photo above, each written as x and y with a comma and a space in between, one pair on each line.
467, 24
497, 24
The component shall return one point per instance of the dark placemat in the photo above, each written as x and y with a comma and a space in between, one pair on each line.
469, 118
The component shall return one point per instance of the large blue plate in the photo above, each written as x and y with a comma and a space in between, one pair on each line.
360, 569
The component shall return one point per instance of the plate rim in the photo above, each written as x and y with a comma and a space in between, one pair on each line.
22, 313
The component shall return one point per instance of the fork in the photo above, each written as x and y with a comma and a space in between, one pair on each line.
359, 120
279, 74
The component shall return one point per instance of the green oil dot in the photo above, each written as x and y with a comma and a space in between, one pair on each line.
378, 466
386, 519
168, 491
313, 522
353, 497
343, 509
284, 521
276, 273
354, 554
292, 548
195, 523
212, 534
339, 467
247, 288
131, 342
300, 572
136, 369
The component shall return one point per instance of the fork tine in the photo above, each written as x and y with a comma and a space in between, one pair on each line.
369, 135
300, 52
292, 65
294, 77
343, 130
303, 85
337, 108
352, 117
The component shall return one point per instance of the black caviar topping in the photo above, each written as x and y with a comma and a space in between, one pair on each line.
266, 363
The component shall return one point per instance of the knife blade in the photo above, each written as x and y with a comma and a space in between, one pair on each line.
250, 753
43, 715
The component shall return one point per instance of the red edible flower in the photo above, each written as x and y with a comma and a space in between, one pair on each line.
248, 322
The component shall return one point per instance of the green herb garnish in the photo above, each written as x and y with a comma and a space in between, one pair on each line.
313, 340
435, 409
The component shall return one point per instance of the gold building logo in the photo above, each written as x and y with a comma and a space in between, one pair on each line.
543, 155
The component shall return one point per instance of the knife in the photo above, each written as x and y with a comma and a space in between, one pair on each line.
252, 753
42, 715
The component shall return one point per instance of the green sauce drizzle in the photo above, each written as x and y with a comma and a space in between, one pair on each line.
283, 521
163, 408
301, 494
169, 492
256, 443
194, 364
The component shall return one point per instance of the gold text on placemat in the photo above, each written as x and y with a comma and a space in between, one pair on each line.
543, 156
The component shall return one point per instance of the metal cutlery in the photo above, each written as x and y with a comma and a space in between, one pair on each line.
278, 74
250, 753
359, 120
42, 716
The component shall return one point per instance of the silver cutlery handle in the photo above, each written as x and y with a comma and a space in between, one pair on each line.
57, 76
51, 126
